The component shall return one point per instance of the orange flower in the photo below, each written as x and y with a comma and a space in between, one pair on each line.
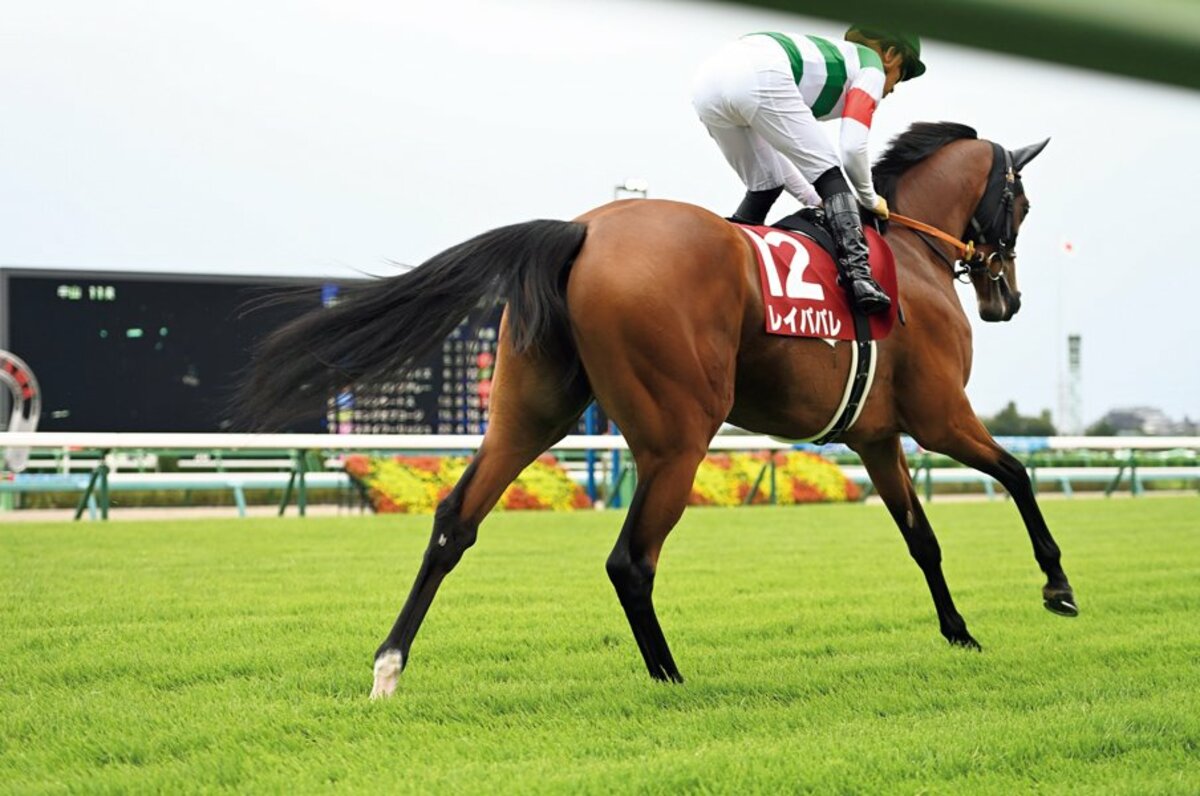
384, 504
518, 498
358, 466
806, 493
428, 464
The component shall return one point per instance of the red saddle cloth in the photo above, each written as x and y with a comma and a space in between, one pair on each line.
800, 285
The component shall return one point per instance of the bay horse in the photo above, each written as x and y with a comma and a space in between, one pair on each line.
653, 308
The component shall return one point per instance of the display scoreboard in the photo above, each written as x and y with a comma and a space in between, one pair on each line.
159, 352
445, 392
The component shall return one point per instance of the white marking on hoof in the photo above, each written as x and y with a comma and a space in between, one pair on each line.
1069, 605
387, 672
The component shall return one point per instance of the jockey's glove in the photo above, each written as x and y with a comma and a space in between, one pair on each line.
880, 209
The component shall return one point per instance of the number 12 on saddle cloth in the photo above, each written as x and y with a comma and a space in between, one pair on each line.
801, 294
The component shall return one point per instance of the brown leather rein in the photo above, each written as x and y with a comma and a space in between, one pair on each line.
967, 250
969, 261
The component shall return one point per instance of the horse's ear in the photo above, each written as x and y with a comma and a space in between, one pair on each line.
1027, 153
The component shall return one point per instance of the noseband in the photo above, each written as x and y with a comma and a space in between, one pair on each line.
993, 223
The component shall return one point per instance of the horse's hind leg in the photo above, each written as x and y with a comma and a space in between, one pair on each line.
533, 406
888, 469
669, 423
664, 483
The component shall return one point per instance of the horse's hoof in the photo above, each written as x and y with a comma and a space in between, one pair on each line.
1063, 606
1060, 601
387, 672
965, 641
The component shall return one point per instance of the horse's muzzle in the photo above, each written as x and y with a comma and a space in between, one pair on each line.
1002, 305
1014, 305
1011, 299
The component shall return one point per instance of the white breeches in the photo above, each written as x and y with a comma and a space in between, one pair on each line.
752, 108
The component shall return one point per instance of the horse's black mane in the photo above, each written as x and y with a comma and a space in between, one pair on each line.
911, 147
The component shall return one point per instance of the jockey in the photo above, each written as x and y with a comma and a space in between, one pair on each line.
761, 97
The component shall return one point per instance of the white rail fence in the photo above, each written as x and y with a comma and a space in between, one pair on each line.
101, 451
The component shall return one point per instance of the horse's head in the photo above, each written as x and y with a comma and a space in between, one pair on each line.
944, 175
993, 229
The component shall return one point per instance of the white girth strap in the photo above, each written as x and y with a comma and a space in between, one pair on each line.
837, 413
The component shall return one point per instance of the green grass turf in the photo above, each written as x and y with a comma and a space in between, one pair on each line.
202, 655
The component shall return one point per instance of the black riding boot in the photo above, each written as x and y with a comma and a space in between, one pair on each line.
841, 213
755, 206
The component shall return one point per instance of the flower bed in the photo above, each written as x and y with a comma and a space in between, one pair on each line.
415, 484
726, 480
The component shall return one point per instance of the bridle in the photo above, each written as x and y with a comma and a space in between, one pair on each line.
993, 223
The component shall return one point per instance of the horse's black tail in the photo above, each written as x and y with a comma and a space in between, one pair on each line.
391, 324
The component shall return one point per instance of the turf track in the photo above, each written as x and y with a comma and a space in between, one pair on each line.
203, 655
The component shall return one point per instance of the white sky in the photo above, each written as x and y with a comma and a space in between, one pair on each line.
327, 138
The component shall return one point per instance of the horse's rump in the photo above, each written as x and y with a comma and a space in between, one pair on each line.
655, 270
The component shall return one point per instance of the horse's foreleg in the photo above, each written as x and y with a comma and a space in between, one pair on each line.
664, 484
972, 445
888, 469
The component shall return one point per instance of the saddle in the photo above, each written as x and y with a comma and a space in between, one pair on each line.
810, 222
802, 290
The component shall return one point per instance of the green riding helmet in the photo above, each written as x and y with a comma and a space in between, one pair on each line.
908, 44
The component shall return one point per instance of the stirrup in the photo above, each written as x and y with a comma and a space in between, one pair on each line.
873, 300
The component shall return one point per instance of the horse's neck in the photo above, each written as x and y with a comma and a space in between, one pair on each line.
943, 193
